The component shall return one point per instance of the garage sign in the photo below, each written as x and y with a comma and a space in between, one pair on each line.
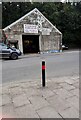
46, 31
28, 28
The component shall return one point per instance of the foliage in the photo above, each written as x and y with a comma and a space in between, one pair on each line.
65, 16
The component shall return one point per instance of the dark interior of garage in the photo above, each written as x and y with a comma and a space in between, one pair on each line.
30, 43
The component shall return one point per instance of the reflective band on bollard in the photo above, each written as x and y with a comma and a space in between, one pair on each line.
43, 73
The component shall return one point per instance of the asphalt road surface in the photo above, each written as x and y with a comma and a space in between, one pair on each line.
28, 67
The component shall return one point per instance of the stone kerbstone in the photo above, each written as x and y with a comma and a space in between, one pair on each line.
16, 91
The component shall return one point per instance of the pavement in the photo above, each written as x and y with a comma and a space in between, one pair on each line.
28, 99
48, 53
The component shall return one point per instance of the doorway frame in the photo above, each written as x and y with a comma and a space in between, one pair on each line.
33, 35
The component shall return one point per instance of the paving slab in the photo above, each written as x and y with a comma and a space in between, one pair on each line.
31, 91
67, 86
58, 103
70, 113
46, 92
54, 85
76, 85
0, 113
6, 99
48, 112
75, 92
38, 102
26, 111
28, 99
0, 90
70, 81
0, 100
74, 101
63, 93
8, 111
20, 100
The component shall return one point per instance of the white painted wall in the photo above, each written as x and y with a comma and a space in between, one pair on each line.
20, 43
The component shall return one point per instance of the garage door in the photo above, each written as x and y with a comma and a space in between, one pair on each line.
30, 43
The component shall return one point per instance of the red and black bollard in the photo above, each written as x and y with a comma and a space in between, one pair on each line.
43, 73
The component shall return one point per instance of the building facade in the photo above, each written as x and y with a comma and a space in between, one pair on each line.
34, 33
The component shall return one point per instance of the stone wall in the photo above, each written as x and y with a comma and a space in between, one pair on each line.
48, 42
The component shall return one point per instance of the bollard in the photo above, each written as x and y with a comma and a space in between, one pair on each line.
43, 73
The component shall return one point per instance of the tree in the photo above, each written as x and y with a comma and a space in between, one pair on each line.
65, 16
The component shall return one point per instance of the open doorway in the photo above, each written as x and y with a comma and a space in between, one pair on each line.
13, 43
30, 43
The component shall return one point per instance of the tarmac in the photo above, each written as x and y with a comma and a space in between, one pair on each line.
42, 54
29, 99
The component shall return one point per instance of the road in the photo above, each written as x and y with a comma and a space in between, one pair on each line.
29, 68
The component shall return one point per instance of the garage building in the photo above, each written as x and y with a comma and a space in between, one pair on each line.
34, 33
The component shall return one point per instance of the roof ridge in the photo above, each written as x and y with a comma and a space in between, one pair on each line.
19, 19
26, 16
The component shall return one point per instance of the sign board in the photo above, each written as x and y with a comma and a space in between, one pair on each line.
46, 31
28, 28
